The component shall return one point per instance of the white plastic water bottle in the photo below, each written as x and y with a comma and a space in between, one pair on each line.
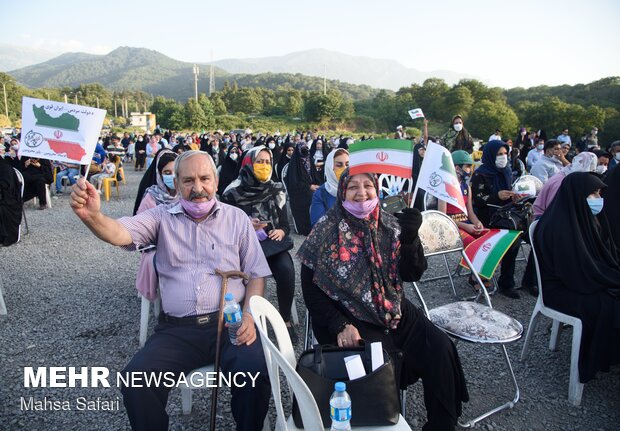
340, 408
232, 316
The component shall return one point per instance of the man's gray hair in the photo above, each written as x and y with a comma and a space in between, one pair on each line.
186, 155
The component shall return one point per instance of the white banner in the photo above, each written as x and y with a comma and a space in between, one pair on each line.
416, 113
59, 131
438, 176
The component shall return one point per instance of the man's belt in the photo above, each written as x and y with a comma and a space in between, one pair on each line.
201, 319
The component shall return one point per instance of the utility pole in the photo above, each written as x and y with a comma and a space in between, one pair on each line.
6, 104
75, 98
97, 102
196, 72
211, 78
115, 110
66, 99
324, 79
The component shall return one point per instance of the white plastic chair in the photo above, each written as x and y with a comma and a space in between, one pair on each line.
575, 387
145, 309
2, 303
391, 185
468, 321
48, 198
284, 359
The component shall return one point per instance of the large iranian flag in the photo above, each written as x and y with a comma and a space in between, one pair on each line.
381, 156
438, 176
487, 251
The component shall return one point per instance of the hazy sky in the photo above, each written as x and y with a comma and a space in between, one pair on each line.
508, 43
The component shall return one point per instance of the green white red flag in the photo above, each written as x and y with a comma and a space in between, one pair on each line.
438, 176
487, 251
381, 156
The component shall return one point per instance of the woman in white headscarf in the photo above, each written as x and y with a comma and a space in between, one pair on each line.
325, 196
582, 162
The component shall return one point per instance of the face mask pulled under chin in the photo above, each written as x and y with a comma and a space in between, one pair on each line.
501, 161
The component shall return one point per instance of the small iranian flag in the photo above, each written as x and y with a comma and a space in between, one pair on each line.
381, 156
487, 251
438, 176
416, 113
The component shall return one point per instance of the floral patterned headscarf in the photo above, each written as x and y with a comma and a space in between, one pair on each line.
355, 261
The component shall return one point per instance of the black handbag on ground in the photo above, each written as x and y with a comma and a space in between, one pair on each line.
374, 398
271, 247
513, 216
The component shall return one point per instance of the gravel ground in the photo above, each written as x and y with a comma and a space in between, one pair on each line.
71, 302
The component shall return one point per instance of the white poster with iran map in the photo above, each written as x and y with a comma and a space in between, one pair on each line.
59, 131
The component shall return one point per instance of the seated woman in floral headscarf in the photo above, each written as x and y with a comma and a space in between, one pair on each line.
353, 264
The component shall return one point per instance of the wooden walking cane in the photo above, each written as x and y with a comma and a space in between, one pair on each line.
220, 326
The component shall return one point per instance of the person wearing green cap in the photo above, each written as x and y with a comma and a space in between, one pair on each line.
469, 225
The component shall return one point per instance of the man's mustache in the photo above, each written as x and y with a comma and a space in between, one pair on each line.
197, 195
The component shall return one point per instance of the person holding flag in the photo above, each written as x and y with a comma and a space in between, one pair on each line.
491, 189
469, 224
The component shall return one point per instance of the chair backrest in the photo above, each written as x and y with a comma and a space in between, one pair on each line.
538, 278
263, 311
439, 234
391, 185
20, 178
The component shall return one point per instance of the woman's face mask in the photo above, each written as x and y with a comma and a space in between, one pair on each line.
501, 161
168, 181
595, 204
233, 156
262, 171
458, 127
540, 147
271, 145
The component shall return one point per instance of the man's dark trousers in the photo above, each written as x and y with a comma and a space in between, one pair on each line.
184, 348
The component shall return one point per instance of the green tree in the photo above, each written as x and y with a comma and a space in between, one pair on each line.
195, 117
293, 103
486, 116
457, 100
432, 89
219, 107
207, 108
246, 100
322, 107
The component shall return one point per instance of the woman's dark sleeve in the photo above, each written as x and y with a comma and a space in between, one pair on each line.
481, 192
412, 262
320, 306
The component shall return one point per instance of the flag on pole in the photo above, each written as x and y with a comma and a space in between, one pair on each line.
438, 176
381, 156
487, 251
416, 113
59, 131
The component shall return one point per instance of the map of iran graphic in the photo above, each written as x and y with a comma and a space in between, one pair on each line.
67, 122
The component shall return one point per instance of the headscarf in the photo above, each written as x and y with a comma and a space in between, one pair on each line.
501, 178
331, 182
582, 162
588, 256
284, 160
263, 200
229, 170
149, 178
159, 190
304, 159
355, 261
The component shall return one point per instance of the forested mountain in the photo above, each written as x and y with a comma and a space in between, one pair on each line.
150, 71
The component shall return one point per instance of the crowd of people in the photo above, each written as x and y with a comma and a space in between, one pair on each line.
223, 199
